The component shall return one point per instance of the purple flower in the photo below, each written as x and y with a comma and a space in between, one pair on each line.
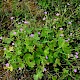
1, 37
14, 32
19, 68
75, 70
46, 57
38, 32
57, 14
21, 29
26, 22
4, 48
32, 35
61, 28
45, 12
7, 64
76, 53
44, 69
67, 40
76, 56
69, 22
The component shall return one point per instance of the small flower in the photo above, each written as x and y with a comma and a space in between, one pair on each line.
75, 70
21, 29
19, 22
61, 34
4, 48
46, 57
7, 64
68, 4
32, 35
76, 56
38, 32
44, 69
57, 14
14, 32
26, 22
44, 18
71, 55
61, 28
67, 40
45, 12
12, 18
55, 19
69, 23
70, 34
1, 37
76, 53
54, 27
19, 68
12, 43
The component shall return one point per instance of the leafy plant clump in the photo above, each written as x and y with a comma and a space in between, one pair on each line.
29, 46
47, 45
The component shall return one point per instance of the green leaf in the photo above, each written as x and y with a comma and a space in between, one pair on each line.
57, 61
66, 50
36, 37
7, 40
29, 59
54, 78
55, 54
46, 51
65, 71
52, 44
61, 42
38, 75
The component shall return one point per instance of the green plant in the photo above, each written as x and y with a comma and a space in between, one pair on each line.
35, 46
48, 45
